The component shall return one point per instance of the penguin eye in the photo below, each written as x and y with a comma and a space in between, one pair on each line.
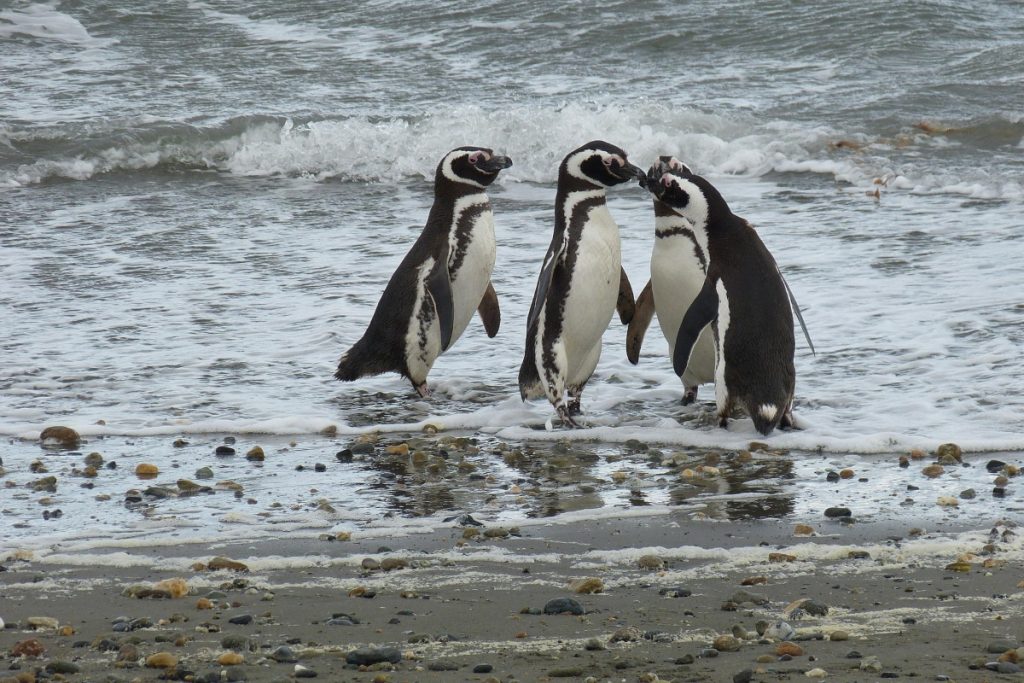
474, 158
666, 180
608, 161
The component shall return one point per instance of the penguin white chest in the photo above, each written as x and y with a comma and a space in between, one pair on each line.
676, 277
471, 258
594, 283
423, 336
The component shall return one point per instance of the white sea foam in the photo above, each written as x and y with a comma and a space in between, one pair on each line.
364, 149
44, 21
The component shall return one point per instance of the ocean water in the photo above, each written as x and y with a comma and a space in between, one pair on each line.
200, 205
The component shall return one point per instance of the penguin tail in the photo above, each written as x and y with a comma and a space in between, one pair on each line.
360, 361
766, 416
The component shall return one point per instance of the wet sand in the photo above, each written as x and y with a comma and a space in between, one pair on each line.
463, 598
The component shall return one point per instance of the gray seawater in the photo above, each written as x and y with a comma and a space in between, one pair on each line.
200, 203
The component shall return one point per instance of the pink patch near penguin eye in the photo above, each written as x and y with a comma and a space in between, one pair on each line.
607, 161
666, 180
474, 157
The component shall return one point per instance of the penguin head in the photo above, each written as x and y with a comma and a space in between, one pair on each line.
674, 185
476, 166
600, 163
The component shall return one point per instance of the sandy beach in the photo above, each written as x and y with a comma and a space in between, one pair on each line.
659, 593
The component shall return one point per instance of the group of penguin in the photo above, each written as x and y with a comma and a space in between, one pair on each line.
721, 301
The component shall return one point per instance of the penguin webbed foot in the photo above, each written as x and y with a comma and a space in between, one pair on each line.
788, 422
574, 407
690, 396
423, 390
564, 412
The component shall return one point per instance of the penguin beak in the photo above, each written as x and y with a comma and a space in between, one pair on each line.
629, 171
494, 164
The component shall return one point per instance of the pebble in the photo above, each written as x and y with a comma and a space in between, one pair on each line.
284, 654
365, 656
391, 563
998, 647
740, 597
871, 664
744, 676
832, 476
483, 669
650, 562
780, 630
1003, 667
727, 643
161, 660
303, 672
256, 453
230, 659
61, 667
803, 530
587, 586
204, 473
224, 451
563, 606
370, 564
241, 619
838, 635
593, 645
627, 634
219, 563
994, 466
62, 437
789, 648
38, 623
814, 608
675, 592
28, 648
835, 512
816, 672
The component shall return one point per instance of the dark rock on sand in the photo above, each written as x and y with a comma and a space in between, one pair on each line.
366, 656
563, 606
835, 512
284, 654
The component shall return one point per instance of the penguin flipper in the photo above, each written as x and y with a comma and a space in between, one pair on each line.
702, 311
799, 316
440, 288
547, 273
639, 324
625, 305
489, 312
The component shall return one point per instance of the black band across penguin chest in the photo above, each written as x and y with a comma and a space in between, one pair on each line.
563, 276
465, 222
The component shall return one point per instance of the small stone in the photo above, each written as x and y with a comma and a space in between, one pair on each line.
803, 530
587, 586
959, 566
789, 648
994, 466
859, 555
496, 532
814, 608
593, 645
744, 676
62, 667
933, 471
1003, 667
726, 643
835, 512
60, 437
627, 634
40, 623
651, 563
224, 451
781, 557
256, 454
780, 630
204, 603
948, 501
838, 635
28, 648
398, 449
904, 461
146, 470
284, 654
241, 619
563, 606
366, 656
391, 563
161, 660
204, 473
483, 669
304, 672
816, 672
950, 450
675, 592
997, 647
871, 664
754, 581
846, 473
370, 564
219, 563
230, 659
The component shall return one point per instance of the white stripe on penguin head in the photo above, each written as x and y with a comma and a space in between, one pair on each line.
696, 210
449, 172
574, 164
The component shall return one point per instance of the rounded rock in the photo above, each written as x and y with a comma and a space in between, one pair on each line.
563, 606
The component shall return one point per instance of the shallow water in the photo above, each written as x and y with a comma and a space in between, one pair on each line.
199, 208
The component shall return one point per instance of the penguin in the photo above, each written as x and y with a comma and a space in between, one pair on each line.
581, 282
744, 300
444, 278
679, 263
